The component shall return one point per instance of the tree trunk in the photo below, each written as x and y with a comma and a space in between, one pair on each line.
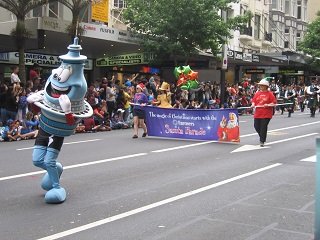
20, 41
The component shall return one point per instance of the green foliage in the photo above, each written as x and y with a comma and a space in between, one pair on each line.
311, 42
179, 27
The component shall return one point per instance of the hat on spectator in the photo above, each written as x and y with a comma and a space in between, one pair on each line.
164, 86
128, 83
264, 82
9, 122
141, 86
120, 110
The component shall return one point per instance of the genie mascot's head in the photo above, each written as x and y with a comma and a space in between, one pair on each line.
68, 78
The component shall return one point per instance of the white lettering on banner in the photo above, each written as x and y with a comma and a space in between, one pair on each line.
255, 58
4, 56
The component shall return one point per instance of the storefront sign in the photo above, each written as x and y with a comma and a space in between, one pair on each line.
111, 34
100, 11
53, 24
255, 58
216, 125
42, 59
238, 55
287, 71
127, 59
230, 54
254, 71
247, 57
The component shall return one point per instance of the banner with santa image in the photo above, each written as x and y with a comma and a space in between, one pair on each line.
195, 124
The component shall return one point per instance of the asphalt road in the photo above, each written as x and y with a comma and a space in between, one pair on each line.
120, 188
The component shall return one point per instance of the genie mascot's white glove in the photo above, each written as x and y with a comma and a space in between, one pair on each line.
65, 104
36, 97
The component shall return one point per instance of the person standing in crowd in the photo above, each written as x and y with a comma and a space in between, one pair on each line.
3, 101
290, 95
139, 101
37, 86
264, 102
12, 100
312, 92
111, 97
34, 72
14, 75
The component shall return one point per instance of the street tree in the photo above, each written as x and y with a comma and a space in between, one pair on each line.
311, 43
181, 27
21, 34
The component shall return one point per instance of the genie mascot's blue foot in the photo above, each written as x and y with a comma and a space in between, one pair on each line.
56, 195
46, 183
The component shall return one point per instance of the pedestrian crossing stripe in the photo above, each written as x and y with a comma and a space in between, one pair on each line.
309, 159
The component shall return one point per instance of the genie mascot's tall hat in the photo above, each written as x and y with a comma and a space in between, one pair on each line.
62, 107
186, 77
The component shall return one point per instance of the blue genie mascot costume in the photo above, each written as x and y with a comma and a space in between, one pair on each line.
62, 107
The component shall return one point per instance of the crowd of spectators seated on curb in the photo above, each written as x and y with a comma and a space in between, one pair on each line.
111, 102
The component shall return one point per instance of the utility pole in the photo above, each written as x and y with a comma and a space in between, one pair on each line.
224, 64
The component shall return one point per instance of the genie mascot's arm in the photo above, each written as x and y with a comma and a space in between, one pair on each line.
35, 97
66, 108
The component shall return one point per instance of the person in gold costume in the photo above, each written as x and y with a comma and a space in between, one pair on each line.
164, 98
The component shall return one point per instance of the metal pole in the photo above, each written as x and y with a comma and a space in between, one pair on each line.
317, 203
224, 65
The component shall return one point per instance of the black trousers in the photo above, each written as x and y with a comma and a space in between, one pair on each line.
261, 127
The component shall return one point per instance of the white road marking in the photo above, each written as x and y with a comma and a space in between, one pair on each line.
154, 205
293, 138
69, 143
245, 148
310, 159
76, 165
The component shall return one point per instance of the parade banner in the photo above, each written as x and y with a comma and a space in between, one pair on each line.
209, 125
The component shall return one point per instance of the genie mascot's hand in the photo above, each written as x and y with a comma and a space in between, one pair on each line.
65, 104
36, 97
66, 108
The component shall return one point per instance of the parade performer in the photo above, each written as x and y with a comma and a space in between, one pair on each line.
264, 101
140, 100
290, 95
163, 99
313, 103
62, 107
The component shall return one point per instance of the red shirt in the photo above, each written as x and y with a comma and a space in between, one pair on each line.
89, 124
261, 98
33, 74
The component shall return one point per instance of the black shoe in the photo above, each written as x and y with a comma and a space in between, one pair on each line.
144, 134
261, 144
135, 136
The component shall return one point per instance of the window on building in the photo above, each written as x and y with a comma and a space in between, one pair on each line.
298, 34
120, 4
304, 13
274, 4
37, 12
281, 5
286, 30
257, 23
298, 9
54, 10
287, 7
286, 44
293, 7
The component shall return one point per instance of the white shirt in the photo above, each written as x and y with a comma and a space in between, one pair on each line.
15, 78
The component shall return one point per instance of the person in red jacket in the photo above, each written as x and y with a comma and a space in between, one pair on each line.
264, 101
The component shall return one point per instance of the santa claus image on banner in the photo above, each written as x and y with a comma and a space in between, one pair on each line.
222, 129
233, 133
